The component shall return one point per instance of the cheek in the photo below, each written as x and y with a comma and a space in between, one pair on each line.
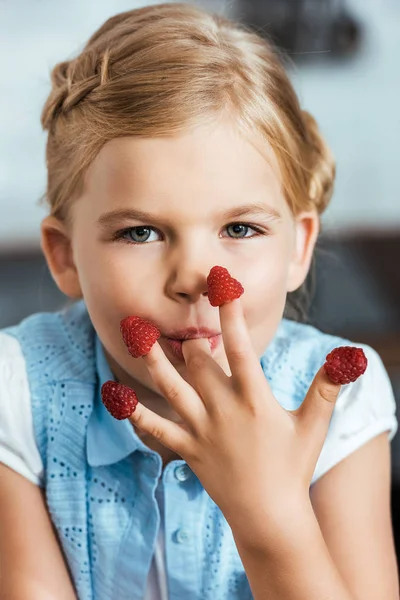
266, 297
266, 300
111, 277
266, 279
112, 290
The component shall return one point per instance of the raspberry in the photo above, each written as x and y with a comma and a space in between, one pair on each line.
345, 364
118, 399
222, 287
139, 335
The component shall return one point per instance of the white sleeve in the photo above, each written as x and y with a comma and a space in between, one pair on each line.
363, 410
18, 449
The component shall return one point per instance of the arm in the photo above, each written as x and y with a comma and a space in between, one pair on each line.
32, 564
294, 562
352, 505
348, 553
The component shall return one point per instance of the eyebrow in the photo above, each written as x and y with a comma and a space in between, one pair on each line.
114, 217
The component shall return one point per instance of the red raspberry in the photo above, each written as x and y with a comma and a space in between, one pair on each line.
118, 399
345, 364
139, 335
222, 287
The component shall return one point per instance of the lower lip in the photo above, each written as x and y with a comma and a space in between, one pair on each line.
176, 345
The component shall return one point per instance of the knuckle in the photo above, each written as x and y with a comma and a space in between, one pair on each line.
255, 408
171, 393
138, 418
219, 412
152, 361
238, 354
327, 392
156, 432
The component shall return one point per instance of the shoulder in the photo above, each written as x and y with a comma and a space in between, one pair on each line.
309, 346
12, 362
47, 362
57, 345
18, 449
368, 404
297, 353
363, 409
10, 349
305, 340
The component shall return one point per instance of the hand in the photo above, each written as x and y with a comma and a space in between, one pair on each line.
251, 455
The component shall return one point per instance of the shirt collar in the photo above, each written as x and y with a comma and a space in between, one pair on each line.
108, 440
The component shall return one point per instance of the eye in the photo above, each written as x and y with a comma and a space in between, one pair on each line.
139, 235
237, 227
140, 232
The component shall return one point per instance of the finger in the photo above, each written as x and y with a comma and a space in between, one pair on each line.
316, 410
247, 372
168, 433
178, 393
203, 372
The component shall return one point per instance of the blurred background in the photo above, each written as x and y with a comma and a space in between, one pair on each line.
344, 62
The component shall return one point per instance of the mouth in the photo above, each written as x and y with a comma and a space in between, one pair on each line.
190, 333
175, 345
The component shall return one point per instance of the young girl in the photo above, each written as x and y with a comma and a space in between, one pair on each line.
176, 144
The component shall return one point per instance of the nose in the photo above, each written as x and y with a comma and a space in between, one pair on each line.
188, 272
191, 286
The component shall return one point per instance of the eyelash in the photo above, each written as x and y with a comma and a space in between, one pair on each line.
119, 235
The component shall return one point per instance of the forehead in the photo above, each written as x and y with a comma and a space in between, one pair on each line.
213, 165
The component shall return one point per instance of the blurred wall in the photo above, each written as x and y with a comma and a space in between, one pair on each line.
355, 102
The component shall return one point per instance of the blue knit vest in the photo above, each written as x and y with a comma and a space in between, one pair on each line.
106, 517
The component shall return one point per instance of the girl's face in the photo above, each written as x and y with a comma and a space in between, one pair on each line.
155, 265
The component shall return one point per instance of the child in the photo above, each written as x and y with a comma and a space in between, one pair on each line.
244, 471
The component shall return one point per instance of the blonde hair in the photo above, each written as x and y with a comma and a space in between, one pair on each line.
161, 69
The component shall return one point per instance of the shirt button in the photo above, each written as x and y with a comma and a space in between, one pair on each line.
182, 472
182, 536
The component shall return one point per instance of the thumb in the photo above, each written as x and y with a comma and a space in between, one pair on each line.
315, 412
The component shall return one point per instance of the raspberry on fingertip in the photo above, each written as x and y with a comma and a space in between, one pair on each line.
139, 335
119, 400
222, 287
345, 364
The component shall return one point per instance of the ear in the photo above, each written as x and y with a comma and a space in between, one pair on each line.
57, 248
306, 226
